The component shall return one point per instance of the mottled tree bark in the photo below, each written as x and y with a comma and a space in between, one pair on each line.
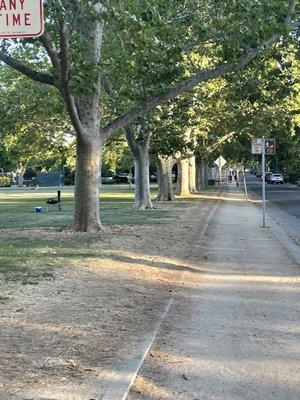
21, 172
139, 148
183, 185
85, 113
192, 174
202, 174
87, 183
164, 178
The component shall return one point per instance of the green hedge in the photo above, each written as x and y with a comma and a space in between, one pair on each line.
294, 177
5, 181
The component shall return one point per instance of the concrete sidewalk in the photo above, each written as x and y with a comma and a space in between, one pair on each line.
233, 334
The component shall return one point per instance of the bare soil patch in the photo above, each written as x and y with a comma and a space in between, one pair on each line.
63, 339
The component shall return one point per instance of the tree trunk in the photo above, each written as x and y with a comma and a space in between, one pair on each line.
140, 151
202, 178
87, 182
183, 186
164, 177
192, 174
142, 180
85, 112
199, 183
21, 172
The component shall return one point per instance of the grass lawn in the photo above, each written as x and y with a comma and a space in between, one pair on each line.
27, 255
17, 208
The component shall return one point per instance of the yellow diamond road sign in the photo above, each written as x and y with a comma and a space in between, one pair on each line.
21, 18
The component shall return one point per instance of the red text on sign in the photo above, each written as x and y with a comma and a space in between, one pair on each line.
11, 5
17, 18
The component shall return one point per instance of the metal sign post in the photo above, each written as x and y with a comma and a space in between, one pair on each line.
258, 146
263, 176
263, 146
220, 162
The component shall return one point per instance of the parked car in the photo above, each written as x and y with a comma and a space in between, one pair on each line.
268, 176
153, 178
276, 178
107, 179
121, 178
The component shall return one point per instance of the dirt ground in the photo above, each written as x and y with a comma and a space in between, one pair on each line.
62, 339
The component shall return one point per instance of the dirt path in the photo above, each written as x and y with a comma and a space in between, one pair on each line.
233, 334
64, 339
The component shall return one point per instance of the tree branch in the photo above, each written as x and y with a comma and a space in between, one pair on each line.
130, 139
185, 86
203, 76
65, 70
292, 6
141, 109
105, 84
37, 76
51, 50
220, 141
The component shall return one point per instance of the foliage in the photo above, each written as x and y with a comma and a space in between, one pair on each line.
171, 128
34, 127
256, 101
5, 181
117, 157
4, 161
294, 177
153, 44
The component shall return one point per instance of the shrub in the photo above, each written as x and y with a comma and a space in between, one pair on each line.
5, 181
294, 177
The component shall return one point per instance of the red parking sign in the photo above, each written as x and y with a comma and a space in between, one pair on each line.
21, 18
270, 146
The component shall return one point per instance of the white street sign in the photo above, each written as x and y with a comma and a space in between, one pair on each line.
256, 146
21, 18
220, 162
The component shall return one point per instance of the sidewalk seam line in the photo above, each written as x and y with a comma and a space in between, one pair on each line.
211, 215
134, 363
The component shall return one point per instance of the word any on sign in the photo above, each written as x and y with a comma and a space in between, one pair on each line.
15, 18
21, 18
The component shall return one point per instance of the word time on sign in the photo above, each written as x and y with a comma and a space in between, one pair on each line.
21, 18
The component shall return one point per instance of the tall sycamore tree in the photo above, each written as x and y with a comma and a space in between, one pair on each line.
70, 56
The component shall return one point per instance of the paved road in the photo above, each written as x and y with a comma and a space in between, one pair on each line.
285, 196
283, 212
